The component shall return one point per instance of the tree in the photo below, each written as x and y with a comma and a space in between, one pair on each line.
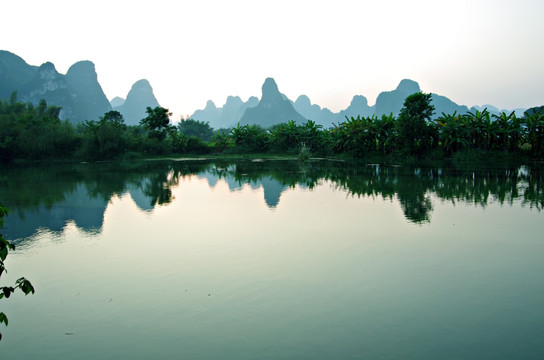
104, 139
285, 136
33, 132
199, 129
413, 122
157, 122
23, 284
250, 138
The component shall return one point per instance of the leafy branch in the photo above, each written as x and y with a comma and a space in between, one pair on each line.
23, 284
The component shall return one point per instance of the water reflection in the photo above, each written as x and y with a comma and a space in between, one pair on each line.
50, 197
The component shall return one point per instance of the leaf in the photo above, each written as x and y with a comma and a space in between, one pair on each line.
25, 286
3, 252
7, 291
3, 319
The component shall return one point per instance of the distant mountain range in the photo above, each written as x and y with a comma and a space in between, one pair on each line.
78, 92
81, 98
274, 107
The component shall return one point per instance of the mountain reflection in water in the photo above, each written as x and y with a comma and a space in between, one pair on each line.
50, 197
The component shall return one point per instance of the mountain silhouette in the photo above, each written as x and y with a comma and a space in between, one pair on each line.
210, 114
81, 98
314, 112
389, 102
88, 98
444, 105
227, 116
534, 110
14, 73
138, 99
358, 106
117, 101
51, 86
78, 92
272, 109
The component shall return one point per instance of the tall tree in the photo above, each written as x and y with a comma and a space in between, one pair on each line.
413, 122
157, 122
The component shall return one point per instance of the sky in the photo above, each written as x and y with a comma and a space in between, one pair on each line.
474, 52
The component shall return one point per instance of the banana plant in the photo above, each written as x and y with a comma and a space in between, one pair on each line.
453, 132
483, 130
534, 123
505, 130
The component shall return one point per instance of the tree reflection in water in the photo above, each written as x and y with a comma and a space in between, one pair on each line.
33, 193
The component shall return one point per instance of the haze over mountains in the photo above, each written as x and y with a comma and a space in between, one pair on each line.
82, 98
78, 92
138, 99
274, 107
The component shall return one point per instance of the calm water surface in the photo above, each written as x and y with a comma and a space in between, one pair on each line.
199, 260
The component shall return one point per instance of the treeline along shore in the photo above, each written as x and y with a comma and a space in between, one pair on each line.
35, 133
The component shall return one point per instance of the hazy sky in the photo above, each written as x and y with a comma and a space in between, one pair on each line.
474, 52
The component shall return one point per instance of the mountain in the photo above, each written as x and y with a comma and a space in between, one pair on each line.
234, 108
227, 116
314, 112
78, 92
387, 102
117, 101
14, 73
89, 99
392, 101
533, 110
138, 99
358, 106
210, 114
51, 86
444, 105
272, 109
493, 110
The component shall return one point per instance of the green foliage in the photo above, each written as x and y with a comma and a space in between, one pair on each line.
221, 140
36, 133
182, 144
285, 136
366, 135
305, 153
23, 284
482, 130
250, 138
199, 129
30, 132
508, 132
104, 139
414, 117
453, 132
290, 137
534, 135
157, 122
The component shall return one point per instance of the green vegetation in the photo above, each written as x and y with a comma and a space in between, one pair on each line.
23, 284
36, 133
